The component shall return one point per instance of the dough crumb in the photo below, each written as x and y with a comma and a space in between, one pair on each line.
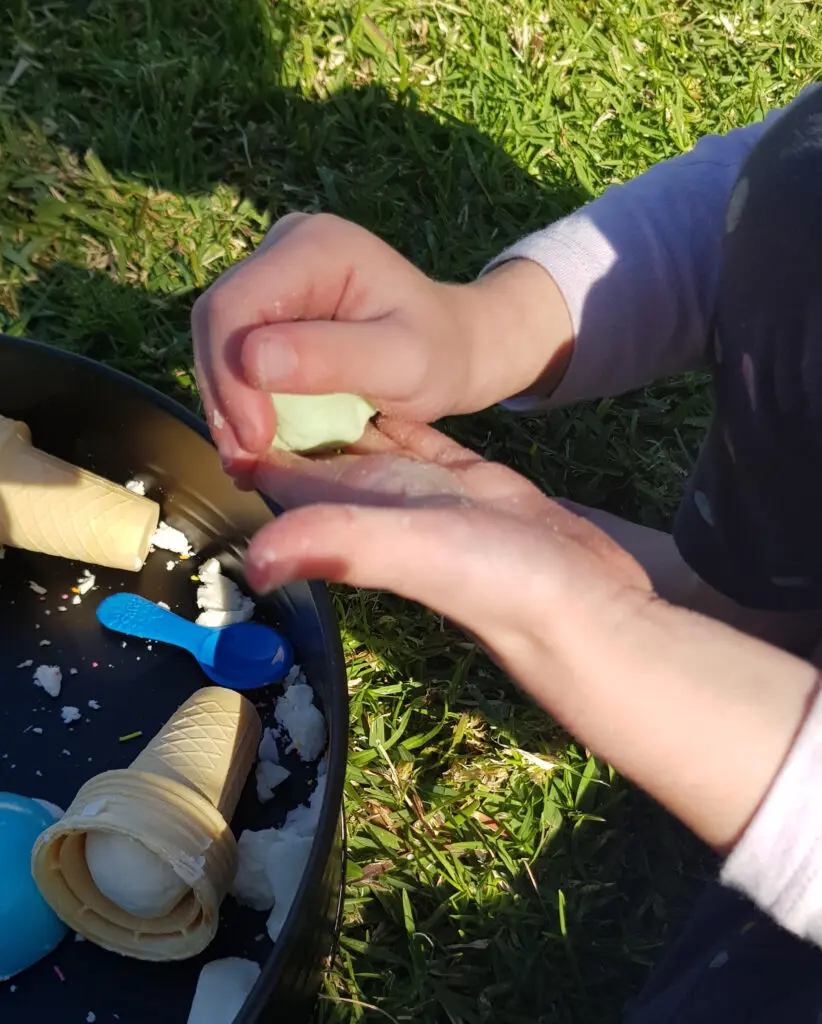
136, 487
167, 538
296, 713
69, 713
268, 750
49, 678
220, 600
269, 776
271, 862
86, 583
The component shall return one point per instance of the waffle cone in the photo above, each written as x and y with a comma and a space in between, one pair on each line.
51, 506
176, 798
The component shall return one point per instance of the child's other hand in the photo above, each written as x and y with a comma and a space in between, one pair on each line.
325, 306
699, 715
439, 524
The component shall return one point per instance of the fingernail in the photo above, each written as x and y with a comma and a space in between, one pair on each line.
276, 360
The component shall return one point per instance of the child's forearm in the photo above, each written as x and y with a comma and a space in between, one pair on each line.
699, 715
638, 270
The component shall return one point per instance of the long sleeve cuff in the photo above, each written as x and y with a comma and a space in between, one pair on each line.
778, 861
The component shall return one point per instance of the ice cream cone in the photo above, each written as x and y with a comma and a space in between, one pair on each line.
51, 506
176, 798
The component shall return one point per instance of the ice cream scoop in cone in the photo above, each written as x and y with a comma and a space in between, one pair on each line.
51, 506
176, 799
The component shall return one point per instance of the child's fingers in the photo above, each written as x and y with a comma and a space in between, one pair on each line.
426, 443
370, 358
234, 408
280, 284
461, 562
386, 479
374, 442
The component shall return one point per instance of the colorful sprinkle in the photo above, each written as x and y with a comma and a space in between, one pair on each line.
131, 736
59, 973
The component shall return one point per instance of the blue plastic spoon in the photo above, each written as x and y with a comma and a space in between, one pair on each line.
242, 657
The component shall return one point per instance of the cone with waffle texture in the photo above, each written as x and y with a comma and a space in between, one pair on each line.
177, 799
51, 506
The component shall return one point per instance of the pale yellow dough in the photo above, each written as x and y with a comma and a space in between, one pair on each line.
310, 423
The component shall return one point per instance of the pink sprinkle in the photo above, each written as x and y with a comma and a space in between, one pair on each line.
59, 973
64, 597
95, 664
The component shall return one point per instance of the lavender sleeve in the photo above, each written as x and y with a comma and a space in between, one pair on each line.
778, 861
638, 269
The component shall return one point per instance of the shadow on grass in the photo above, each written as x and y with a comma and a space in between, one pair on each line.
256, 98
561, 942
188, 97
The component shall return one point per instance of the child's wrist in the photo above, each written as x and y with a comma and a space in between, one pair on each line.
521, 331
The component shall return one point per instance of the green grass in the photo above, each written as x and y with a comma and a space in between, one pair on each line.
498, 873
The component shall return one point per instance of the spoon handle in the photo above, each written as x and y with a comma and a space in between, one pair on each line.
137, 616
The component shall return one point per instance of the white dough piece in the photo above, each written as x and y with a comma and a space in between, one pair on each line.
308, 423
168, 538
217, 620
268, 750
69, 713
220, 600
221, 594
269, 776
303, 820
304, 723
291, 856
271, 865
272, 861
50, 678
87, 582
252, 886
132, 876
136, 486
222, 988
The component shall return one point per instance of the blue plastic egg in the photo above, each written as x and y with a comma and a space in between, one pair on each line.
29, 928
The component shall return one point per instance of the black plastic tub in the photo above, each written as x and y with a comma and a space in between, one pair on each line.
107, 422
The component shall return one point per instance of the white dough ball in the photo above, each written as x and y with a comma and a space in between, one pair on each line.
131, 876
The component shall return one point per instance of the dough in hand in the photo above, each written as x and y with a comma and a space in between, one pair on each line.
311, 423
132, 876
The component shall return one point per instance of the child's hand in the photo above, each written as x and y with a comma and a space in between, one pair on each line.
697, 714
325, 306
